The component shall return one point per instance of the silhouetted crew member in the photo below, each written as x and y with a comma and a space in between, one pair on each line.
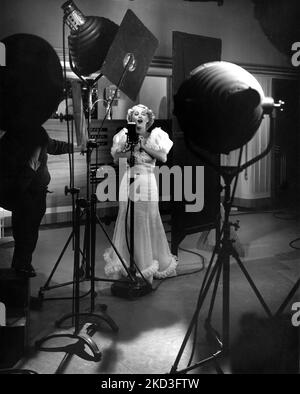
24, 178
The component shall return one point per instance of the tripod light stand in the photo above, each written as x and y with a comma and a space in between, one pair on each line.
125, 65
32, 64
123, 54
239, 105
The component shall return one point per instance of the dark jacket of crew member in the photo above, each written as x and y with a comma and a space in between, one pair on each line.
16, 174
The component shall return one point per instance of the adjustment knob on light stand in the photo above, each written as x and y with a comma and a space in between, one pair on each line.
72, 190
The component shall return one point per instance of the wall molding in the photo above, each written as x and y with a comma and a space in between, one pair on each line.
288, 72
165, 65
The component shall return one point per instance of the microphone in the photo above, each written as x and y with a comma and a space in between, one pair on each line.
132, 135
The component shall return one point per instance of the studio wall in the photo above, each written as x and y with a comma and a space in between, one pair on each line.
243, 40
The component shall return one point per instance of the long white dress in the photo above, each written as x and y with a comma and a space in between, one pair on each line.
151, 249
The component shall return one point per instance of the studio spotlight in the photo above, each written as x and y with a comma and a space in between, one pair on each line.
89, 40
122, 54
220, 107
31, 82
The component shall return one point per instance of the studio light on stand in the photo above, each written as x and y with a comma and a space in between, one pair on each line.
219, 108
123, 54
89, 40
98, 47
34, 79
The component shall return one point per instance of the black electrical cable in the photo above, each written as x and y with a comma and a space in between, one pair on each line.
180, 248
288, 217
184, 273
291, 244
67, 298
251, 212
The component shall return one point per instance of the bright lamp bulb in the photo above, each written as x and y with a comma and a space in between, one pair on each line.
89, 40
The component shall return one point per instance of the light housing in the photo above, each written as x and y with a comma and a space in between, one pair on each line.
89, 40
31, 83
219, 107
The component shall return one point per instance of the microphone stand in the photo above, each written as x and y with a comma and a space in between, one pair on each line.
139, 286
131, 163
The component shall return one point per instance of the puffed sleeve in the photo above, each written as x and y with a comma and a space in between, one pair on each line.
159, 140
119, 142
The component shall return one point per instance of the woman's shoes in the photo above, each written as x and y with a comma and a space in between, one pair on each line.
25, 272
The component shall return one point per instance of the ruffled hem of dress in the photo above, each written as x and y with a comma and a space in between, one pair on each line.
115, 267
170, 271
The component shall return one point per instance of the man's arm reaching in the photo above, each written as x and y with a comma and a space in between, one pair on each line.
56, 147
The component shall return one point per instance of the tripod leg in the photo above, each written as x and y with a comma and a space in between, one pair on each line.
93, 250
288, 298
84, 270
226, 303
131, 277
210, 264
200, 302
77, 267
79, 347
252, 284
88, 242
102, 315
214, 294
46, 285
213, 337
210, 332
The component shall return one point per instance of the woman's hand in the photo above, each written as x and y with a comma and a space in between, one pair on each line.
156, 154
144, 148
143, 144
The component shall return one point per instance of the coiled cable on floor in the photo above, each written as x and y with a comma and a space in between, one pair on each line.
292, 216
183, 273
285, 215
291, 244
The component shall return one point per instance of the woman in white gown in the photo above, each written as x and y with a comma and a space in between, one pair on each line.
151, 250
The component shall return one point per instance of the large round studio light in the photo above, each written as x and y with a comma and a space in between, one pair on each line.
31, 83
219, 107
279, 20
89, 40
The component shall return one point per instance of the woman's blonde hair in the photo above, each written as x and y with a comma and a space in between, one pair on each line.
149, 111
